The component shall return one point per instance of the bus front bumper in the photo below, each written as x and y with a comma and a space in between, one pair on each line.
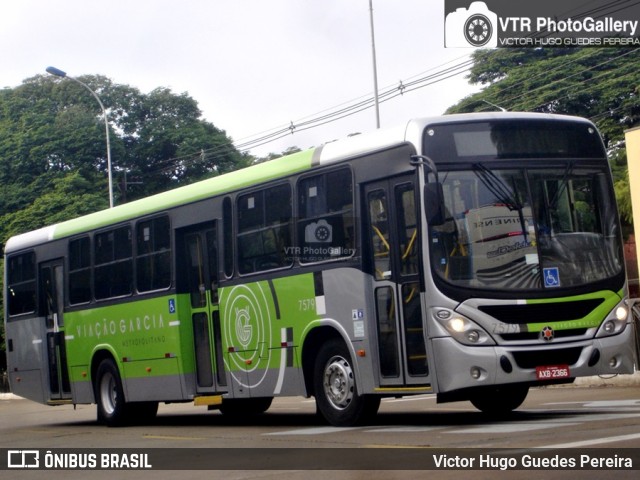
461, 366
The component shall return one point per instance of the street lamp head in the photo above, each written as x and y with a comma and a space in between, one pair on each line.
56, 71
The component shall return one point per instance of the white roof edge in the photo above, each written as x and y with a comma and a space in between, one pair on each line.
478, 116
29, 239
362, 143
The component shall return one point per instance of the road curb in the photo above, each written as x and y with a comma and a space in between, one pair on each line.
9, 396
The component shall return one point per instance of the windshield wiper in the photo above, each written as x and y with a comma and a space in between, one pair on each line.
562, 187
497, 187
503, 193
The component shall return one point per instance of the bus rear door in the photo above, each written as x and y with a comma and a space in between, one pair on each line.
52, 291
201, 256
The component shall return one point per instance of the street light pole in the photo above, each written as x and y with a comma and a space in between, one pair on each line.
59, 73
375, 67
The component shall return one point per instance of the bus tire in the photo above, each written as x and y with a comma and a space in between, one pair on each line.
500, 399
113, 411
336, 393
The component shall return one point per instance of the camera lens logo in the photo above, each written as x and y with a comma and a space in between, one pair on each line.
320, 232
471, 27
478, 30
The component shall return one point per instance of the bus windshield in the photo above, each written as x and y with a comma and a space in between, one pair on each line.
528, 228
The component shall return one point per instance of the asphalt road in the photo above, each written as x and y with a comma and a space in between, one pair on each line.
602, 420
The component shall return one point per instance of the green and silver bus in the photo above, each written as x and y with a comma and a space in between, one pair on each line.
467, 256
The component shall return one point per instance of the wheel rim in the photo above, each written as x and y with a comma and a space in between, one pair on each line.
108, 393
338, 382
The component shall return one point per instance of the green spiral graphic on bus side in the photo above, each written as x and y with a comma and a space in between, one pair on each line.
246, 318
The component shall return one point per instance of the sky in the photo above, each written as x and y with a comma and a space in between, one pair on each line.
253, 66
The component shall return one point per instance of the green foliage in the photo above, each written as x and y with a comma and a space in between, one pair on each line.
618, 162
53, 164
53, 148
273, 156
69, 197
597, 83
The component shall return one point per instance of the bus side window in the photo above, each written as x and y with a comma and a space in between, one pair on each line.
227, 229
264, 229
21, 285
113, 263
153, 259
80, 270
407, 228
378, 213
325, 210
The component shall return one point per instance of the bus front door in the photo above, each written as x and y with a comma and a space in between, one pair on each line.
201, 254
52, 288
394, 257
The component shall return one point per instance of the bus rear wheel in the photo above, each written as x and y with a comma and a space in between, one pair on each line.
336, 393
500, 399
112, 408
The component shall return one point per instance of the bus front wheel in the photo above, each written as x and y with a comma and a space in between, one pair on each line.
112, 408
500, 399
337, 397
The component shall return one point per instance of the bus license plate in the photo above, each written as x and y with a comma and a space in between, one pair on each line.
551, 372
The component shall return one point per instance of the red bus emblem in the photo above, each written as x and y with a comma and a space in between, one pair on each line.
546, 334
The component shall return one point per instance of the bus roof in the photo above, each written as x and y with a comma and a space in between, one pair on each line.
256, 174
228, 182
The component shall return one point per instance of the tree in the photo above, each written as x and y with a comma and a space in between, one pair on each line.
169, 145
50, 127
53, 149
597, 83
273, 156
70, 196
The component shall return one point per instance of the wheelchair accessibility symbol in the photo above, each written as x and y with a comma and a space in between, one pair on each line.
551, 277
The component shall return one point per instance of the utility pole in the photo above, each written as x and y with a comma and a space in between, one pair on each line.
375, 67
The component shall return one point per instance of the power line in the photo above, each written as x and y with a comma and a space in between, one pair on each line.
387, 95
330, 115
363, 103
354, 103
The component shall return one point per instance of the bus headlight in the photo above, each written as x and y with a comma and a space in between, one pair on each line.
462, 329
615, 321
456, 325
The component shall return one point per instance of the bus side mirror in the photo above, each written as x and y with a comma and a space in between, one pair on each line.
433, 195
434, 204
